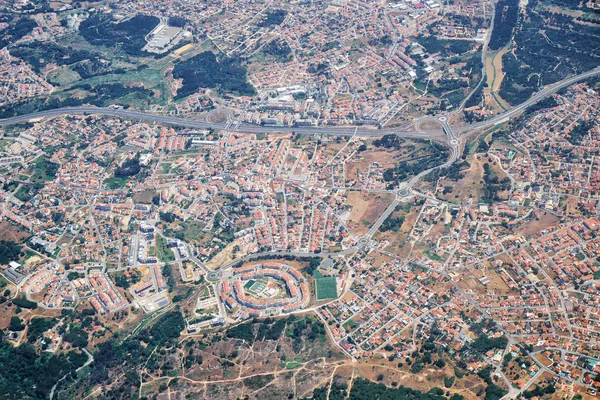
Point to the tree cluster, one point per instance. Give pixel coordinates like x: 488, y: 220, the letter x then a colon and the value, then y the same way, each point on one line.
x: 205, y: 71
x: 16, y: 30
x: 29, y: 374
x: 9, y: 251
x: 505, y: 19
x: 273, y: 17
x: 128, y: 168
x: 130, y: 35
x: 40, y: 54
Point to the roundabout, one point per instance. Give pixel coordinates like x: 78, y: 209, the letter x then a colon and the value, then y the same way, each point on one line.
x: 213, y: 276
x: 403, y: 193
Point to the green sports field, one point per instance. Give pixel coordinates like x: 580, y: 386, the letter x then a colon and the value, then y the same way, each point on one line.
x: 326, y: 288
x: 258, y: 287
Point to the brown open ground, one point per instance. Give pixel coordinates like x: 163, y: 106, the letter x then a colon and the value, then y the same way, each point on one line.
x: 495, y: 75
x: 366, y: 209
x: 534, y: 227
x: 144, y: 197
x: 385, y: 160
x: 225, y: 256
x: 467, y: 187
x: 13, y: 233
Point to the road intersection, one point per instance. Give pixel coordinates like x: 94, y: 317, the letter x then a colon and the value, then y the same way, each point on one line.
x: 453, y: 139
x: 313, y: 130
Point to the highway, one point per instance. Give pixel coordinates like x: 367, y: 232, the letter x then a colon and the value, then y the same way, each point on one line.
x: 549, y: 90
x: 193, y: 123
x: 312, y: 130
x: 452, y: 139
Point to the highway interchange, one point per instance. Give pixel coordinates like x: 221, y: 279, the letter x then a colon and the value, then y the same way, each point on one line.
x: 313, y: 130
x: 453, y: 140
x: 453, y: 136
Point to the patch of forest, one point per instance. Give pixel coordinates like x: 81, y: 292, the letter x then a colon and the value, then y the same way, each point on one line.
x: 100, y: 95
x: 206, y: 71
x: 435, y: 155
x: 279, y: 49
x: 505, y: 19
x: 548, y: 47
x: 39, y: 54
x: 30, y: 373
x: 444, y: 46
x: 366, y: 389
x: 274, y: 17
x: 17, y: 28
x: 9, y: 251
x: 129, y: 35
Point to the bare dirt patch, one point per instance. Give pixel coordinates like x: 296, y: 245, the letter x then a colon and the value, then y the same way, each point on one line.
x: 430, y: 126
x: 384, y: 159
x: 13, y: 233
x: 359, y: 205
x: 144, y: 197
x: 398, y: 239
x: 225, y: 256
x: 467, y: 187
x: 571, y: 207
x: 533, y: 228
x: 218, y: 116
x: 366, y: 209
x: 546, y: 362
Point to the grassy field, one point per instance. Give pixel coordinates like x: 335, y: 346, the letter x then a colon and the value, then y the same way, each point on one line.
x: 3, y: 282
x: 23, y: 194
x: 115, y: 183
x: 326, y: 286
x: 163, y: 252
x: 4, y: 143
x: 63, y: 76
x: 192, y: 230
x: 292, y: 364
x: 495, y: 75
x: 149, y: 73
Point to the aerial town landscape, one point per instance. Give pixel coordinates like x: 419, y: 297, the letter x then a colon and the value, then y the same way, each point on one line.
x: 328, y: 199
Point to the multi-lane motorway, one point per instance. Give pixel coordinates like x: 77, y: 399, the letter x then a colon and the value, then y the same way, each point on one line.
x: 315, y: 130
x: 547, y: 91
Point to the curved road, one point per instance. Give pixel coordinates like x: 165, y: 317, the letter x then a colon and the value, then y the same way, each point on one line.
x: 345, y: 131
x: 549, y: 90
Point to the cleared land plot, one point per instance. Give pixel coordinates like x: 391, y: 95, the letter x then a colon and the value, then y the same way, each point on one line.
x: 383, y: 158
x: 366, y: 209
x: 227, y: 255
x: 359, y: 206
x: 13, y: 233
x: 468, y: 187
x: 397, y: 239
x: 145, y: 196
x: 535, y: 227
